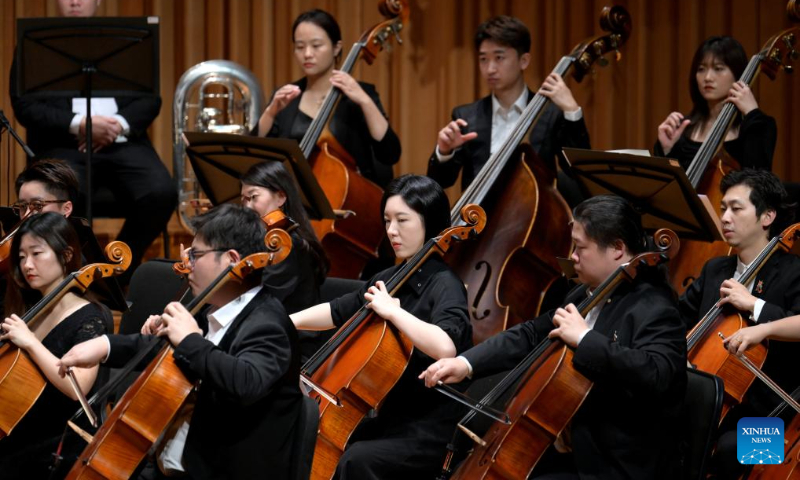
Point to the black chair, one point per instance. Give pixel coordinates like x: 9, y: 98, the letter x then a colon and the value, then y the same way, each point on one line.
x: 305, y: 439
x: 152, y: 287
x: 702, y: 408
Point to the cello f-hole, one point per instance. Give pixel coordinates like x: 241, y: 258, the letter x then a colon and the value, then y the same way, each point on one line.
x: 481, y: 290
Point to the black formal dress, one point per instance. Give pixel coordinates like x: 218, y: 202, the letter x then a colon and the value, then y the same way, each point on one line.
x: 349, y: 126
x: 408, y: 437
x: 636, y: 357
x: 753, y: 148
x: 132, y: 171
x: 294, y: 283
x: 551, y: 133
x: 778, y: 284
x: 244, y: 424
x: 27, y: 452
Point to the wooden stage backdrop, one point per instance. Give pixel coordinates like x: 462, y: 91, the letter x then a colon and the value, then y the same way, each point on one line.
x: 435, y: 69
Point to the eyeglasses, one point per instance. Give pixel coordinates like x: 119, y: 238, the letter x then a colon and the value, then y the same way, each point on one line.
x: 195, y: 254
x: 21, y: 208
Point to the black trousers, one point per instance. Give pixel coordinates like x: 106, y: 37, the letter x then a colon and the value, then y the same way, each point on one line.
x: 144, y: 192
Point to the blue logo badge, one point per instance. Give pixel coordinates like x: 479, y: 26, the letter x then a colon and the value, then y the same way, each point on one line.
x: 759, y: 440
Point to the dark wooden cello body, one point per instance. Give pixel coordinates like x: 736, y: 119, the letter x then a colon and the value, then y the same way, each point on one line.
x: 547, y: 390
x: 152, y: 402
x: 509, y: 270
x: 702, y: 342
x: 353, y: 239
x: 355, y: 370
x: 711, y: 163
x: 21, y: 382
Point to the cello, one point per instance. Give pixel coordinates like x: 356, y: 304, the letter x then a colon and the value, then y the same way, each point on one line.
x: 701, y: 346
x: 548, y: 390
x: 152, y: 402
x: 5, y: 243
x: 710, y: 164
x: 355, y: 370
x: 353, y: 239
x: 21, y: 382
x: 530, y: 219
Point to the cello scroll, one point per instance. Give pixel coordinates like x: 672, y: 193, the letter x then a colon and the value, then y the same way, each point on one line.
x: 617, y: 22
x: 475, y: 218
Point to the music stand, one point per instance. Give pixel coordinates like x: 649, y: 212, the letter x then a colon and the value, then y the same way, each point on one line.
x: 220, y: 159
x: 657, y: 187
x: 108, y: 57
x: 106, y: 290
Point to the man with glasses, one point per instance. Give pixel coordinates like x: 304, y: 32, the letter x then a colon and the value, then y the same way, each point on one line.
x: 47, y: 185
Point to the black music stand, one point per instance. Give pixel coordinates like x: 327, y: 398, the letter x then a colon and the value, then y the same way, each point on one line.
x: 107, y: 290
x: 108, y: 57
x: 220, y: 159
x: 657, y: 187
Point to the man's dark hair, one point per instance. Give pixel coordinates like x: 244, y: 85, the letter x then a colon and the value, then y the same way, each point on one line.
x: 608, y: 218
x: 425, y: 197
x: 230, y: 226
x: 56, y: 175
x: 766, y: 193
x: 505, y: 30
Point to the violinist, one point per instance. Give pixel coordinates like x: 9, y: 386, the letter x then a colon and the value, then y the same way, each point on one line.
x: 754, y: 209
x: 632, y: 347
x: 248, y: 400
x: 44, y: 251
x: 414, y: 424
x: 717, y: 65
x: 295, y: 282
x: 359, y: 123
x: 478, y: 129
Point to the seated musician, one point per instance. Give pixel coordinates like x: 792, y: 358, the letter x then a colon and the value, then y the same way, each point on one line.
x: 248, y: 401
x: 123, y: 160
x: 754, y: 209
x: 43, y: 252
x: 267, y: 187
x: 632, y: 347
x: 478, y: 129
x: 717, y: 65
x: 414, y: 424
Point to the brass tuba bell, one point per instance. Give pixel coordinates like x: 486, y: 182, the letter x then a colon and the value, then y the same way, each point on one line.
x: 214, y: 96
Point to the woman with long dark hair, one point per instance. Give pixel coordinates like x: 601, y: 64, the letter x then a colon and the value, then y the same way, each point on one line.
x: 412, y: 428
x: 713, y: 81
x: 359, y: 123
x: 44, y: 251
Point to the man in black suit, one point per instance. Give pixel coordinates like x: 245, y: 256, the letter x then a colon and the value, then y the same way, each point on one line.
x: 478, y: 129
x: 632, y: 347
x: 248, y: 404
x: 754, y: 209
x: 123, y: 160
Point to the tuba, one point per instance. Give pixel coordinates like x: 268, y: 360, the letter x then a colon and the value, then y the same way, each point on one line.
x: 228, y: 100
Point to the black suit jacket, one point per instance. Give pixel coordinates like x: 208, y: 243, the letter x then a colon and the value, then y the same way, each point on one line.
x: 636, y: 357
x: 248, y: 404
x: 551, y: 133
x: 349, y: 126
x: 778, y: 284
x: 47, y: 119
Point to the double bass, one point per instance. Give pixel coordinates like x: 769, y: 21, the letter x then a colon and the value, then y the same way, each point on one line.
x: 701, y: 342
x: 516, y: 258
x: 155, y: 398
x: 21, y: 382
x: 354, y: 371
x: 547, y: 389
x: 710, y: 163
x: 353, y: 239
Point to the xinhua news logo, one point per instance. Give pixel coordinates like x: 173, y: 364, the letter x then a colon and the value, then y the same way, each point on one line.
x: 759, y: 440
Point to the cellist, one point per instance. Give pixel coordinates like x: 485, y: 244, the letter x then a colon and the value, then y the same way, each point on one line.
x: 478, y: 129
x: 754, y: 209
x: 359, y: 122
x: 716, y: 66
x: 413, y: 425
x: 44, y: 251
x: 248, y: 401
x: 632, y: 347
